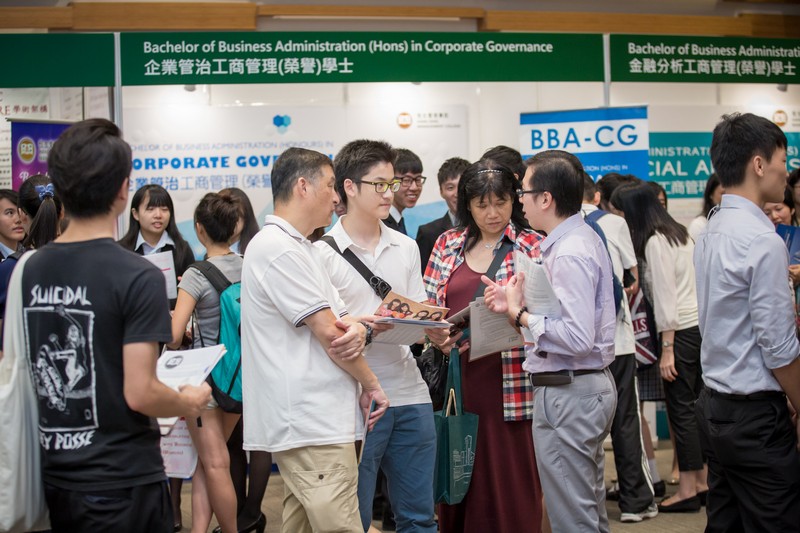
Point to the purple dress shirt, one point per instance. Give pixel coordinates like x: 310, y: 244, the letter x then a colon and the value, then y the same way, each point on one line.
x: 579, y: 269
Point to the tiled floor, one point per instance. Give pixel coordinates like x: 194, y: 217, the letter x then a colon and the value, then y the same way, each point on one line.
x: 692, y: 522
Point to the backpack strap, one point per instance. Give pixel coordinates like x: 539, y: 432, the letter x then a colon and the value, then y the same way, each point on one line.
x: 213, y: 274
x: 595, y: 215
x: 217, y: 280
x: 378, y: 284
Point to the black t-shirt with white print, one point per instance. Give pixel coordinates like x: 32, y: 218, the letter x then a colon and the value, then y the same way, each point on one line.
x: 81, y: 303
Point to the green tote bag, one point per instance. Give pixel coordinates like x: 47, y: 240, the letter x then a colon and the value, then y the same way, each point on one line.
x: 456, y: 439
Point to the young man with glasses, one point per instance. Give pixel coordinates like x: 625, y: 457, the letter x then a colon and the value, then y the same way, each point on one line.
x: 403, y: 443
x: 448, y: 176
x: 407, y: 169
x: 568, y: 353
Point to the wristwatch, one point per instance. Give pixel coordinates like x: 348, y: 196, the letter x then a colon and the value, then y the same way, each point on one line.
x: 368, y: 338
x: 667, y: 344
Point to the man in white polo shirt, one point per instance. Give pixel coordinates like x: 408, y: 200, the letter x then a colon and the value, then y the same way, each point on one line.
x: 403, y: 443
x: 301, y: 356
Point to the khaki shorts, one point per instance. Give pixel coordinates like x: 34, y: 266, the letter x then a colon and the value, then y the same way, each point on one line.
x: 320, y: 489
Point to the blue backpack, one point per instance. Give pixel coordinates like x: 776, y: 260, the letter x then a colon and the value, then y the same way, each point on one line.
x: 226, y: 377
x: 592, y: 219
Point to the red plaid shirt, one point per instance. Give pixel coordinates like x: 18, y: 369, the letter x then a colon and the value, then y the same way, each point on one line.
x: 447, y: 255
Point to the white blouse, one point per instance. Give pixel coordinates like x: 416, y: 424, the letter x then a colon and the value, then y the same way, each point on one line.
x: 670, y: 276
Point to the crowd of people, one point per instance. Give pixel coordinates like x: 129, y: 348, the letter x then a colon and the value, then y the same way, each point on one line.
x: 348, y: 419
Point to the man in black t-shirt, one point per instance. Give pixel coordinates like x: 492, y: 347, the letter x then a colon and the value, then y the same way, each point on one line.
x: 94, y: 314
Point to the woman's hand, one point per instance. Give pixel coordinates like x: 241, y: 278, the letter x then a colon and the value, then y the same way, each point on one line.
x: 667, y: 364
x: 794, y: 274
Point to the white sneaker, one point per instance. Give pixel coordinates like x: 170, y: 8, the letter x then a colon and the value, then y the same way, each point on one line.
x: 650, y: 512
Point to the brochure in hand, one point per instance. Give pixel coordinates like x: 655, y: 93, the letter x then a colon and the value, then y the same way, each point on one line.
x: 186, y: 367
x: 409, y: 319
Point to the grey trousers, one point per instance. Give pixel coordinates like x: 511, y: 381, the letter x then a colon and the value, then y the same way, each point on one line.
x: 570, y: 423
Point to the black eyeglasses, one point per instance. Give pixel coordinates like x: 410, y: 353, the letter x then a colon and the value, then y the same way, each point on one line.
x: 407, y: 181
x: 522, y: 192
x: 383, y: 186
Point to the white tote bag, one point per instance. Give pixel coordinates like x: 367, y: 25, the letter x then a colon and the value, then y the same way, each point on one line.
x: 22, y: 503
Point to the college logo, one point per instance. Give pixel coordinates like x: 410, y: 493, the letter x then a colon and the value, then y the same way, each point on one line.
x: 780, y: 117
x: 26, y: 150
x: 282, y: 122
x: 404, y: 120
x: 174, y: 361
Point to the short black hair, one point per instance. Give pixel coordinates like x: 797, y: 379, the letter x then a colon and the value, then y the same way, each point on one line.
x: 480, y: 180
x: 293, y: 164
x: 589, y: 188
x: 10, y: 195
x: 737, y: 139
x: 508, y: 157
x: 88, y: 164
x: 711, y: 185
x: 609, y: 182
x: 452, y: 168
x: 407, y: 162
x: 561, y: 174
x: 356, y: 159
x: 218, y: 213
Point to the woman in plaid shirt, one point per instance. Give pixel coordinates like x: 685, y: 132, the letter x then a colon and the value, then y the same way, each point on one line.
x: 504, y: 494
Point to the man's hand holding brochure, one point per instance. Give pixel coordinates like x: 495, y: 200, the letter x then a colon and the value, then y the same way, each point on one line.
x: 530, y: 288
x: 410, y: 321
x: 176, y: 369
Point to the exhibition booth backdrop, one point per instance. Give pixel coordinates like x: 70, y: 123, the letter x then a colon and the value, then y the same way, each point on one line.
x: 204, y: 111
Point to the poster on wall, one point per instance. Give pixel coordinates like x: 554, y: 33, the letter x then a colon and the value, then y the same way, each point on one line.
x: 611, y: 139
x: 193, y: 150
x: 30, y: 143
x: 18, y: 103
x: 434, y: 132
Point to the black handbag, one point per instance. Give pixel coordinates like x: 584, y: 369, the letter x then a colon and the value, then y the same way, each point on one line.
x: 432, y: 362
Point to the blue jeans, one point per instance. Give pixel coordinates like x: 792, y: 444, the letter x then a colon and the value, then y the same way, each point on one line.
x: 403, y: 445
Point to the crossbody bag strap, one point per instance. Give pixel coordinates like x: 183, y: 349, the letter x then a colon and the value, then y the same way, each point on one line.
x: 377, y: 283
x: 499, y: 257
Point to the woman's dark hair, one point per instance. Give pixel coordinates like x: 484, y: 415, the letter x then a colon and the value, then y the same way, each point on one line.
x: 658, y: 189
x: 712, y: 185
x: 38, y: 200
x: 218, y: 213
x: 250, y: 227
x: 794, y: 177
x: 157, y: 196
x: 646, y: 216
x: 788, y: 201
x: 480, y: 180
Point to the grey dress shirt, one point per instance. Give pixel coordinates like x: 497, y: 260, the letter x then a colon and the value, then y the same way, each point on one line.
x: 745, y: 302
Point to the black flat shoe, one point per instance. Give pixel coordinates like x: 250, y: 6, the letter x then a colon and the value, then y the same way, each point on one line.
x: 689, y: 505
x: 258, y: 526
x: 660, y: 489
x: 703, y: 495
x: 177, y: 527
